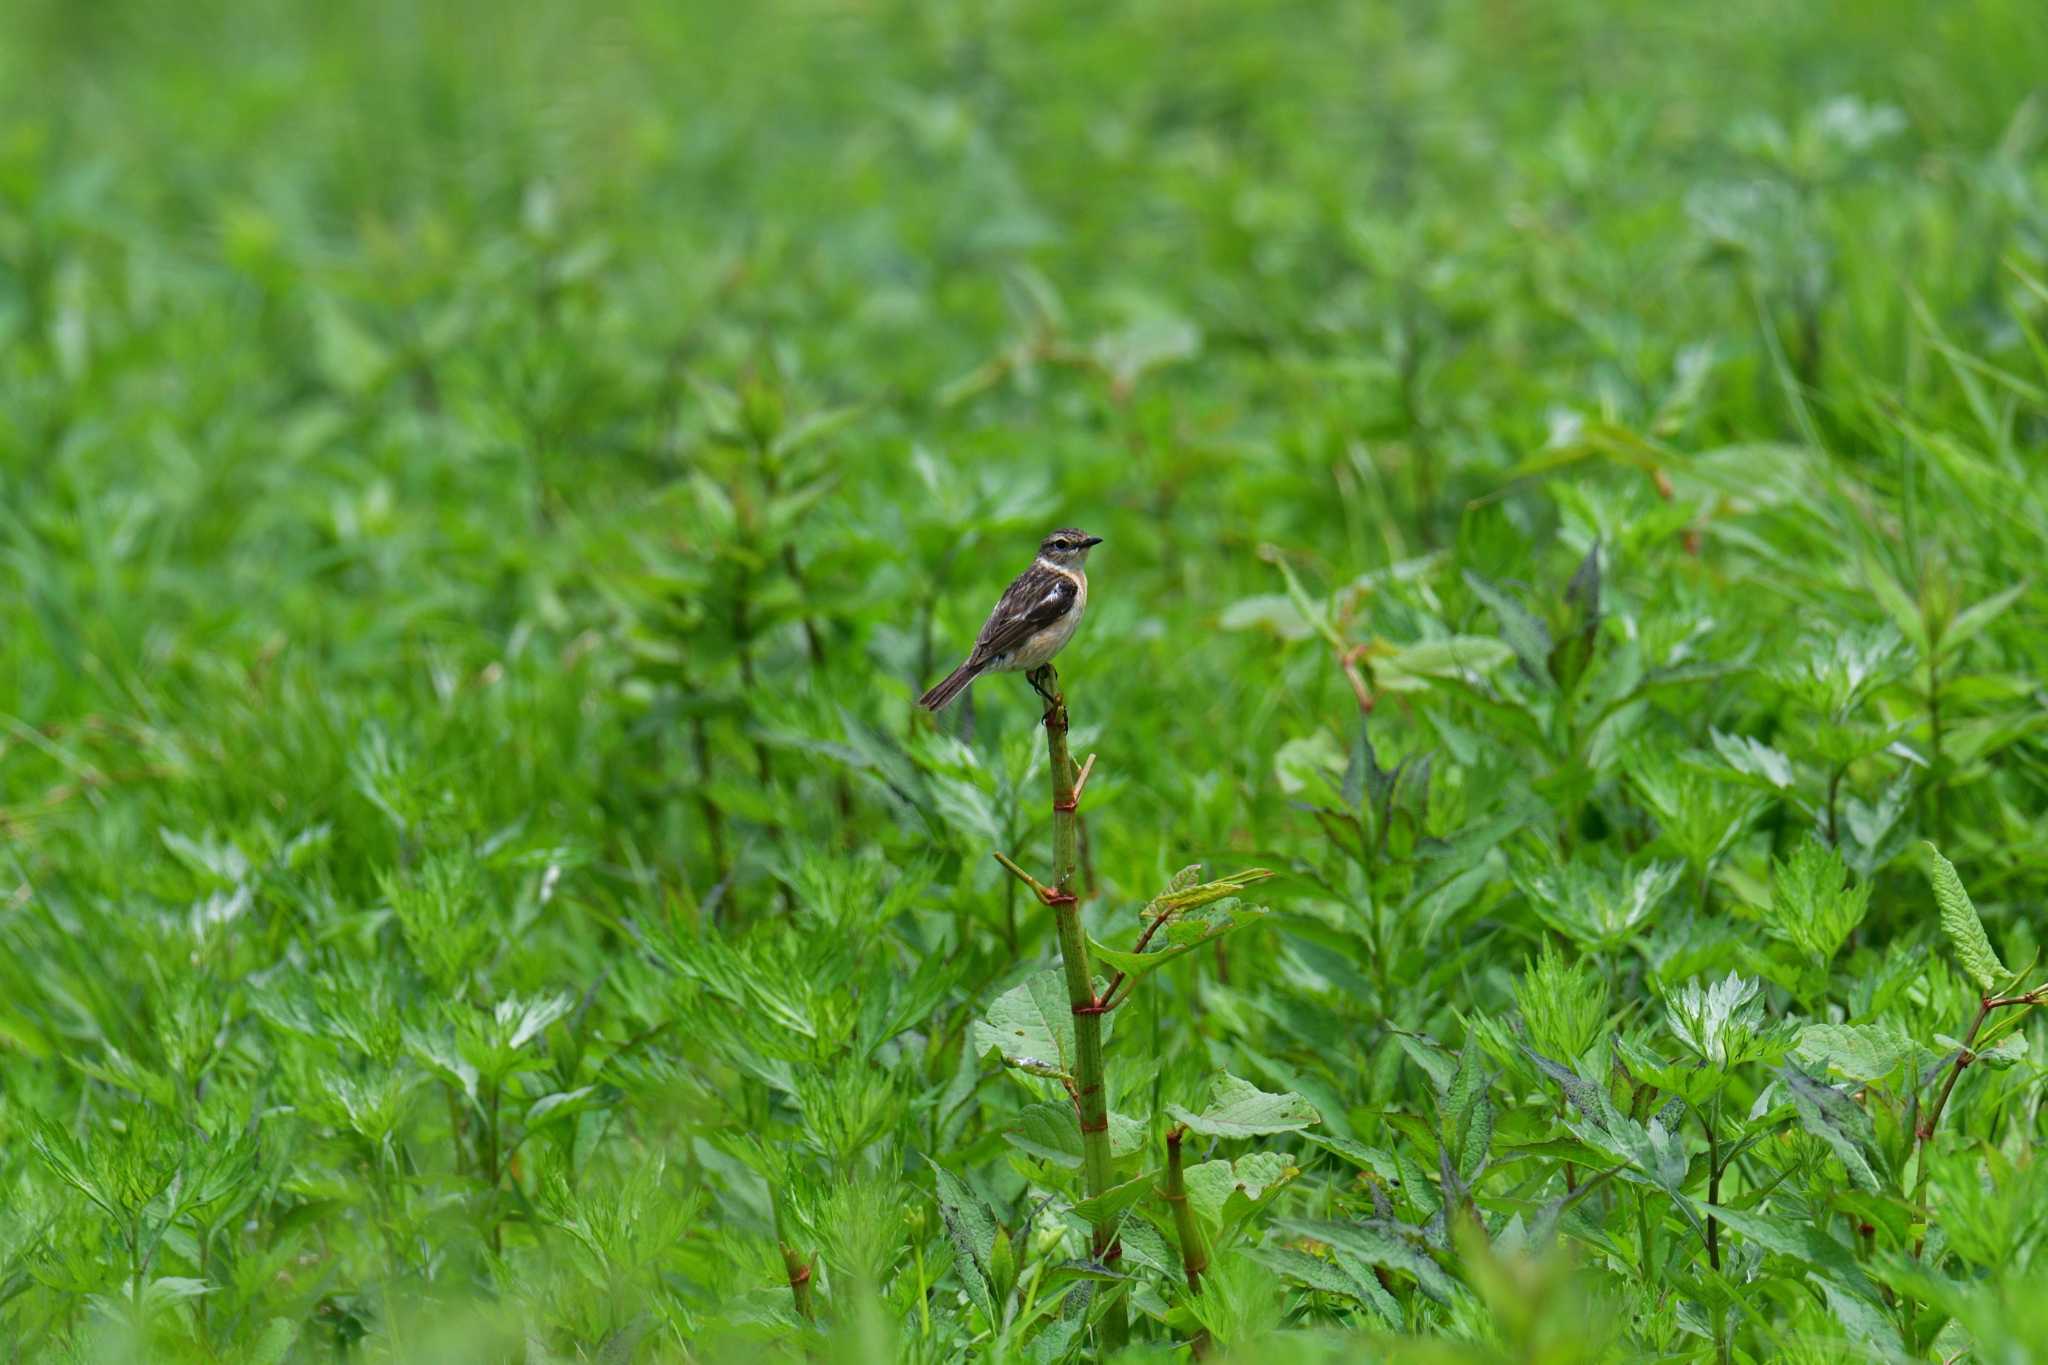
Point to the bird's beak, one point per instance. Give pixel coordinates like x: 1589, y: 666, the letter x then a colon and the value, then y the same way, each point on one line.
x: 1091, y: 541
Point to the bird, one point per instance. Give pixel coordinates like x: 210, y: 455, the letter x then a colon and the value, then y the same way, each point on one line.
x: 1033, y: 620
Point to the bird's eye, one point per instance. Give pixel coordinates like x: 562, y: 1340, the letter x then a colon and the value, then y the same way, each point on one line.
x: 1063, y: 545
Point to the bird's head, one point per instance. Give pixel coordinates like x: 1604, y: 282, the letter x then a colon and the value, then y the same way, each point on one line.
x: 1068, y: 548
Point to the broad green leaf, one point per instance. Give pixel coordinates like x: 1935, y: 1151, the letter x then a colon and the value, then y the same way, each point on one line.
x: 1861, y: 1052
x: 1237, y: 1108
x: 1211, y: 1183
x: 1048, y: 1132
x: 1964, y: 929
x: 1836, y: 1119
x: 1411, y: 668
x: 1031, y: 1026
x: 1866, y: 1323
x: 1271, y: 611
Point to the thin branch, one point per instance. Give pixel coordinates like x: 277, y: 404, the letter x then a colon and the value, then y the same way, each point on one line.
x: 1038, y: 888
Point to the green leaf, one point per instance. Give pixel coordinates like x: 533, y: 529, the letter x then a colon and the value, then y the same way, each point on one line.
x: 1972, y: 619
x: 1864, y: 1321
x: 1117, y: 1198
x: 1411, y: 668
x: 1836, y: 1119
x: 1048, y: 1132
x: 1860, y: 1052
x: 1802, y: 1239
x: 1754, y: 759
x: 1031, y: 1026
x: 1272, y: 611
x: 560, y: 1105
x: 1330, y: 1278
x: 1237, y: 1108
x: 1211, y: 1183
x: 1201, y: 927
x: 1524, y: 632
x: 1361, y: 1246
x: 1964, y: 929
x: 973, y: 1232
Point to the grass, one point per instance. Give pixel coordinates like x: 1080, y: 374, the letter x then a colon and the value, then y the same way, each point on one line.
x: 480, y: 490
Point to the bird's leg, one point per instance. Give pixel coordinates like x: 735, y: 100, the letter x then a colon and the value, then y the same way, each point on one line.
x: 1046, y: 684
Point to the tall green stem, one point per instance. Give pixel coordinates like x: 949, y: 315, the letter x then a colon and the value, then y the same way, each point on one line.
x: 1194, y: 1252
x: 1091, y: 1103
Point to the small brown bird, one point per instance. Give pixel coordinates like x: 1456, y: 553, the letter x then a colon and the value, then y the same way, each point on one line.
x: 1034, y: 619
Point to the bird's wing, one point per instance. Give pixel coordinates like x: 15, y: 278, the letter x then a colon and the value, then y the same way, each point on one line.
x: 1034, y: 600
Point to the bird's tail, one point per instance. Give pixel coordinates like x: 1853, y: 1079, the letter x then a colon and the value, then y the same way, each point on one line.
x: 952, y: 685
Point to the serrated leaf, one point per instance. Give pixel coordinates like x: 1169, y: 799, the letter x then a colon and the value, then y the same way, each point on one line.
x: 1031, y: 1026
x: 1143, y: 1245
x: 1965, y: 931
x: 1835, y: 1119
x: 1237, y: 1108
x: 973, y: 1231
x: 1201, y: 927
x: 1861, y: 1052
x: 1864, y: 1321
x: 1754, y: 759
x: 1361, y: 1246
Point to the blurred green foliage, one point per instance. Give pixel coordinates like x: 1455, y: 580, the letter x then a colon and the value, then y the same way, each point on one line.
x: 480, y: 487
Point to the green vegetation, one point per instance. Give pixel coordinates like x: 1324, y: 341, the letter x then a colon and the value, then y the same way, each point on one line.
x: 481, y: 486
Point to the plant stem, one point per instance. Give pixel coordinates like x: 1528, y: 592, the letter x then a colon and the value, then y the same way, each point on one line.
x: 1090, y: 1102
x: 799, y: 1272
x: 1194, y: 1253
x: 1924, y: 1132
x: 1714, y: 1225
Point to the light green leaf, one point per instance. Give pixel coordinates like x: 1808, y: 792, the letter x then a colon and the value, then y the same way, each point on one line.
x: 1271, y: 611
x: 560, y: 1105
x: 1411, y: 668
x: 1211, y: 1183
x: 1964, y: 929
x: 1237, y: 1108
x: 1754, y: 759
x: 1860, y: 1052
x: 1032, y: 1026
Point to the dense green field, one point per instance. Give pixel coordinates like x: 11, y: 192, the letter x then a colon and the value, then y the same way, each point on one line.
x: 481, y: 486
